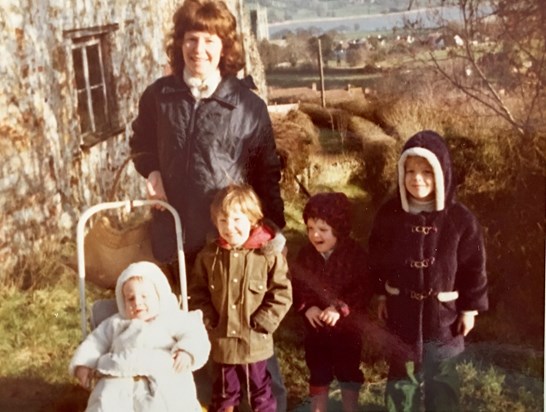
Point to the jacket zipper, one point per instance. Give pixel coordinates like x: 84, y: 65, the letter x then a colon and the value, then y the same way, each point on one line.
x: 191, y: 135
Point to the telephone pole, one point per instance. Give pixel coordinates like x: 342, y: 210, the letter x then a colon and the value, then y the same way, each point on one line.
x: 321, y: 70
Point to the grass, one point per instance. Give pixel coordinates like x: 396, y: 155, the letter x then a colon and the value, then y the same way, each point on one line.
x: 503, y: 368
x: 333, y: 77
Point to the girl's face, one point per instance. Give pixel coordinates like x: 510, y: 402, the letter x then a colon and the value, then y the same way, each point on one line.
x: 234, y: 227
x: 141, y: 299
x: 321, y: 235
x: 419, y: 178
x: 202, y: 52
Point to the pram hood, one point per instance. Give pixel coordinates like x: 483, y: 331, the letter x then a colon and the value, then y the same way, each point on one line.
x: 152, y: 272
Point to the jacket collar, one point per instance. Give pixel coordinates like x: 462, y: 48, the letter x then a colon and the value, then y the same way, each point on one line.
x: 227, y: 92
x: 259, y: 237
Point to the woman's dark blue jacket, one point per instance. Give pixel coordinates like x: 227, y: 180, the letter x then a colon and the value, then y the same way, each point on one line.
x: 201, y: 148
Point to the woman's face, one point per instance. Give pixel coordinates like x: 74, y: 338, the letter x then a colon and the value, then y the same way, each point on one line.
x: 202, y: 52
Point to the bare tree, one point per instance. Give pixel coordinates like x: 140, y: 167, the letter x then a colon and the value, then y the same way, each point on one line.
x: 500, y: 58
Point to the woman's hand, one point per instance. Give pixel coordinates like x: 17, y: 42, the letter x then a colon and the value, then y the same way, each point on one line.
x: 84, y: 375
x: 465, y: 323
x: 382, y: 313
x: 182, y: 361
x: 313, y: 316
x: 154, y: 186
x: 330, y: 316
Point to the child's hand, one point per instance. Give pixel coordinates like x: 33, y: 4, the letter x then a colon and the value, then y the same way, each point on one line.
x: 465, y: 323
x: 182, y: 361
x: 313, y: 316
x: 382, y: 313
x: 84, y: 375
x: 330, y: 316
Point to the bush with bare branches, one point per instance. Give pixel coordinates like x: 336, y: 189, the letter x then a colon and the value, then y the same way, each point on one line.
x: 296, y: 137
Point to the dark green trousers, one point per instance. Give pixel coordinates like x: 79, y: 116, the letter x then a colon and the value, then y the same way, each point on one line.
x: 435, y: 387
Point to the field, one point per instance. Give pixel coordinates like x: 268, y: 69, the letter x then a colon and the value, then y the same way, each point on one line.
x: 501, y: 370
x: 348, y: 146
x: 501, y: 178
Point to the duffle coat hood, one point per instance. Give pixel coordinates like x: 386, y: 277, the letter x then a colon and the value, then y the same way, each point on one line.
x: 421, y: 255
x: 201, y: 147
x: 244, y: 294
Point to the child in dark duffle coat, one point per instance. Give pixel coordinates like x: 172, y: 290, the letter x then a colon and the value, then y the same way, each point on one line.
x: 331, y: 290
x: 240, y: 283
x: 428, y: 260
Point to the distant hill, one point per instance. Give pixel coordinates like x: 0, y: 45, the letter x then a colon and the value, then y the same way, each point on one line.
x: 366, y: 22
x: 286, y: 10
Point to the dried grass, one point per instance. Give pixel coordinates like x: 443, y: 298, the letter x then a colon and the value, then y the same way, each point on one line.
x: 296, y: 138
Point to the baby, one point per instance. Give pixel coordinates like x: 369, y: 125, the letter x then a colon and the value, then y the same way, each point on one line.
x: 143, y: 356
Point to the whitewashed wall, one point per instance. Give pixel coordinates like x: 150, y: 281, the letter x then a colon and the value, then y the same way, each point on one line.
x: 46, y: 180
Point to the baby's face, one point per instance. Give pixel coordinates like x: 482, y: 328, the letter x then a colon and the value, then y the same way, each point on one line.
x: 321, y: 235
x: 141, y: 299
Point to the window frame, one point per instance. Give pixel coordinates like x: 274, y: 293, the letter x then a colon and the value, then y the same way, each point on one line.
x: 83, y: 40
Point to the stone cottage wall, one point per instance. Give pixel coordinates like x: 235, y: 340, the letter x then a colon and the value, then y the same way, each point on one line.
x: 46, y: 178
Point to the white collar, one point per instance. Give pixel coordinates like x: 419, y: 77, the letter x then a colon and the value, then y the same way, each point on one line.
x: 202, y: 88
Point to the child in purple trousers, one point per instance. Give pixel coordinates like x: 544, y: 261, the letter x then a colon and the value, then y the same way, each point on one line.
x: 240, y: 283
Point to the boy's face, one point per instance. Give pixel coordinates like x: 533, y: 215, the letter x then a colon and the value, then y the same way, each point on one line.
x: 419, y: 178
x: 321, y: 235
x: 234, y: 227
x: 141, y: 299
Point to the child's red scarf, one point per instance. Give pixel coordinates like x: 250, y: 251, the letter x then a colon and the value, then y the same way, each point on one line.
x: 259, y: 236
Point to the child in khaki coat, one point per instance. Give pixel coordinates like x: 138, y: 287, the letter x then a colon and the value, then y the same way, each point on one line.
x: 240, y: 283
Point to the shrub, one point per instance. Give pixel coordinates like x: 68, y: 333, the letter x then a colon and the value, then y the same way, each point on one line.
x: 320, y: 116
x: 296, y: 139
x: 379, y: 153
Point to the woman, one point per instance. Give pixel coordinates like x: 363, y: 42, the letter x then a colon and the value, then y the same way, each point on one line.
x: 200, y: 129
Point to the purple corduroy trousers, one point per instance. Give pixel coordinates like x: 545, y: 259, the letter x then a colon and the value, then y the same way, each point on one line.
x: 227, y: 387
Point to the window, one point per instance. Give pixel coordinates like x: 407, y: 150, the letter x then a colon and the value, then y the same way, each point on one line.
x: 94, y: 83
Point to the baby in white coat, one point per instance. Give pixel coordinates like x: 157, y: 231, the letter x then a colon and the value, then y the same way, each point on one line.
x: 143, y: 356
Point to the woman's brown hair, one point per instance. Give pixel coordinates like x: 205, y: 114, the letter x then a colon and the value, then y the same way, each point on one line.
x: 212, y: 16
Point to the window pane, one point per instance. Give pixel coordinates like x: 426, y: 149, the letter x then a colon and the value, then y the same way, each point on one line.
x: 78, y: 68
x: 83, y: 112
x: 99, y: 109
x: 95, y: 75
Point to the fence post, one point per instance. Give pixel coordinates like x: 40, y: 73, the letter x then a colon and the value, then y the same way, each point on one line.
x: 322, y: 96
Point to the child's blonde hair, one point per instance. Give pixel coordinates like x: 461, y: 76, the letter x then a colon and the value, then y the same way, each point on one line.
x: 237, y: 195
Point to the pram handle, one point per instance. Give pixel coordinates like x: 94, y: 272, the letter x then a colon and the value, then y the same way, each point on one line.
x: 128, y: 204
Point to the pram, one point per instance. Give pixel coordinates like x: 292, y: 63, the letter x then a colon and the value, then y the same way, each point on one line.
x: 103, y: 308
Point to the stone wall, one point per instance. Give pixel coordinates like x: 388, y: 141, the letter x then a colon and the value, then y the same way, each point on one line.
x: 46, y: 177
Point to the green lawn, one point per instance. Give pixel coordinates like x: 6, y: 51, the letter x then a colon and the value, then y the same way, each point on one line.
x: 40, y: 327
